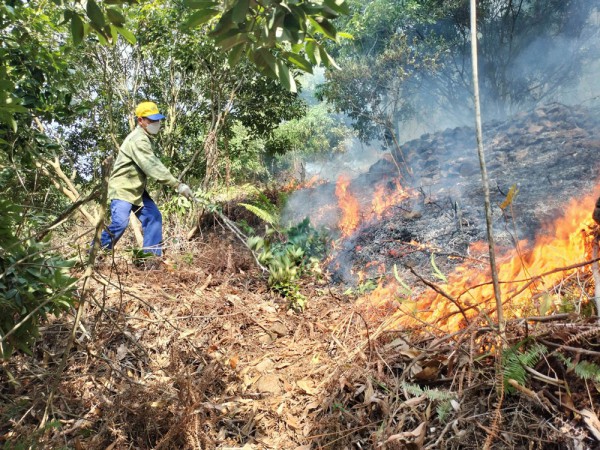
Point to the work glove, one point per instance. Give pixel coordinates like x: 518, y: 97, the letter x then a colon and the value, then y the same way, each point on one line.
x: 184, y: 189
x: 596, y: 214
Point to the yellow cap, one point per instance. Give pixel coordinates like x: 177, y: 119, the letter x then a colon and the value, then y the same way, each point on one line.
x: 149, y: 110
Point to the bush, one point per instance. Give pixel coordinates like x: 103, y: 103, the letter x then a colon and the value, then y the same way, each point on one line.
x: 34, y: 282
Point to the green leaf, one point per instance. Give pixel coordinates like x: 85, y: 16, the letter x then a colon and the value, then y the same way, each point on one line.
x: 116, y: 17
x: 344, y: 35
x: 77, y: 29
x: 311, y: 52
x: 324, y: 26
x: 224, y: 24
x: 12, y: 107
x: 286, y: 77
x: 200, y: 17
x: 240, y: 9
x: 95, y: 13
x: 231, y: 39
x: 128, y: 35
x: 200, y: 4
x: 114, y: 35
x: 265, y: 61
x: 327, y: 59
x: 339, y: 6
x: 235, y: 55
x: 299, y: 61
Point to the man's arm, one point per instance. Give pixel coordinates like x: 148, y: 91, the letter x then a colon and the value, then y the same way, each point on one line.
x: 145, y: 158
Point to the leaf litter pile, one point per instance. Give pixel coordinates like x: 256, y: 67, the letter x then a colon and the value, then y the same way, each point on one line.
x: 202, y: 355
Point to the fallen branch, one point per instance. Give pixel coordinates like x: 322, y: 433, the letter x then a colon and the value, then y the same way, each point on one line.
x: 569, y: 348
x: 440, y: 291
x: 63, y: 216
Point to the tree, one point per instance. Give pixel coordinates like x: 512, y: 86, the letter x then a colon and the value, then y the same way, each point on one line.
x: 191, y: 80
x: 35, y: 89
x: 412, y: 57
x: 530, y: 50
x: 54, y: 88
x: 315, y: 136
x: 272, y: 34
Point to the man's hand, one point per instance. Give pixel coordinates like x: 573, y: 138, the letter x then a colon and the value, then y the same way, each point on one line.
x: 184, y: 189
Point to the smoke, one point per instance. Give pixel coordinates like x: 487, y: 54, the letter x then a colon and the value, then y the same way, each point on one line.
x: 537, y: 70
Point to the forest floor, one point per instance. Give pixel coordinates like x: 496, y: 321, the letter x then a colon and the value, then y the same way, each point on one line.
x: 200, y: 354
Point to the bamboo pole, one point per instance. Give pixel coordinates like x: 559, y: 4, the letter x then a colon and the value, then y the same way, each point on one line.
x: 484, y: 175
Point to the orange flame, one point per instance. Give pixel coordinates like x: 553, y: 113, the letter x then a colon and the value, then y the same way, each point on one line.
x: 383, y: 199
x: 523, y: 275
x: 349, y: 206
x: 295, y: 185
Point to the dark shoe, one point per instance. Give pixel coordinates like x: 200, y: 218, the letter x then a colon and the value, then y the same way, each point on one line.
x: 150, y: 263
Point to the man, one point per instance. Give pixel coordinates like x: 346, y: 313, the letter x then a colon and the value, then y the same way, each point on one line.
x: 127, y: 184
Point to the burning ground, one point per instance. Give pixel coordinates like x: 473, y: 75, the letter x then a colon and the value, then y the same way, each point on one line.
x: 543, y: 174
x: 203, y: 355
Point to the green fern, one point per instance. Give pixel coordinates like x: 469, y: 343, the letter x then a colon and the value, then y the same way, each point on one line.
x: 443, y: 410
x: 515, y: 361
x: 270, y: 217
x: 431, y: 394
x: 584, y: 369
x: 444, y: 398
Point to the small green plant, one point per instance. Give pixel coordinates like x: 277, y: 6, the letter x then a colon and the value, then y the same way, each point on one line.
x: 443, y: 398
x: 264, y: 210
x: 34, y: 282
x: 139, y: 255
x: 177, y: 205
x: 288, y: 254
x: 583, y: 369
x: 188, y: 258
x: 515, y: 360
x: 245, y: 227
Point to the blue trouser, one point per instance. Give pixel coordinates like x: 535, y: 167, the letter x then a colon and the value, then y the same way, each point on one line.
x: 148, y: 214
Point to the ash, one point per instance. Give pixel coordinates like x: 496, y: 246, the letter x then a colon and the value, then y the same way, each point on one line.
x: 550, y: 155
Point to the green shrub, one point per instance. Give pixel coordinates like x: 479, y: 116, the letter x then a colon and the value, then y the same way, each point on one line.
x: 34, y: 282
x: 288, y: 254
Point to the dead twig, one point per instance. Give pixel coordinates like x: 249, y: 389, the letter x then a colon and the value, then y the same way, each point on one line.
x: 443, y: 293
x: 569, y: 348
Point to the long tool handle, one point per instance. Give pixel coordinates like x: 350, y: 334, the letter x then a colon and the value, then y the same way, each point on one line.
x: 232, y: 226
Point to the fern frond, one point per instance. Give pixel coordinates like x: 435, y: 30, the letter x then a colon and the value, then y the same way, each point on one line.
x: 584, y: 369
x: 431, y: 394
x: 588, y: 371
x: 262, y: 214
x: 443, y: 410
x: 514, y: 363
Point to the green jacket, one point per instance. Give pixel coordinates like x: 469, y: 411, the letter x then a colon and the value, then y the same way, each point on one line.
x: 135, y: 163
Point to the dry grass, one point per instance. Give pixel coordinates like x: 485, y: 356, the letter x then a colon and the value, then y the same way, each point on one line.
x: 202, y: 355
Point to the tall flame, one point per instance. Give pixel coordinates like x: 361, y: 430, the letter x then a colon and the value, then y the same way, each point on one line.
x: 384, y: 198
x: 349, y: 205
x: 522, y: 274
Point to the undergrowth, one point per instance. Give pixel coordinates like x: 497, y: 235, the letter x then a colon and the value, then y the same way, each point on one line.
x: 287, y: 253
